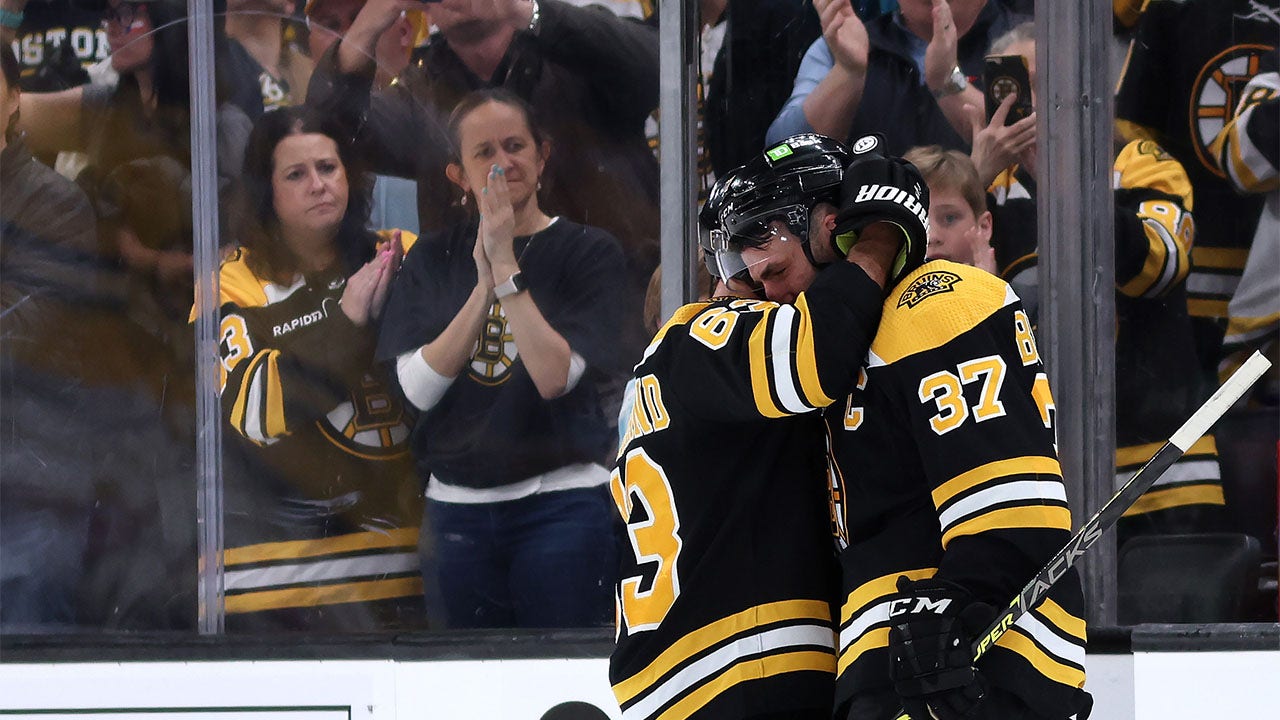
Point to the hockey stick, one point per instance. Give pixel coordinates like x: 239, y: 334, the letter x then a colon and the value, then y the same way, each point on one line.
x: 1169, y: 453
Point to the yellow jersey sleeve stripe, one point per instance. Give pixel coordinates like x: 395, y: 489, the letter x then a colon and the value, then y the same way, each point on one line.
x: 327, y: 595
x: 1139, y: 454
x: 1166, y: 263
x: 1019, y: 643
x: 1205, y: 307
x: 750, y: 670
x: 878, y: 638
x: 239, y: 406
x: 1063, y: 620
x: 1221, y: 258
x: 273, y: 404
x: 1238, y: 325
x: 299, y: 549
x: 806, y: 359
x: 1027, y: 465
x: 716, y: 633
x: 873, y: 590
x: 1155, y: 500
x: 758, y: 349
x: 1014, y: 518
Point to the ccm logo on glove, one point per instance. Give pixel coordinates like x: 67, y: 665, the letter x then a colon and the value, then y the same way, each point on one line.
x: 904, y: 606
x: 869, y: 193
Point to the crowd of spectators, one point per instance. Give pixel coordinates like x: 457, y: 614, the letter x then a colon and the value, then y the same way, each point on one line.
x: 503, y: 149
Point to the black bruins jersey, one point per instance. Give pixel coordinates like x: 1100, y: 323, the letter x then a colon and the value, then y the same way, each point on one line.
x: 1185, y: 74
x: 1158, y: 381
x: 945, y: 465
x: 321, y: 502
x: 724, y: 603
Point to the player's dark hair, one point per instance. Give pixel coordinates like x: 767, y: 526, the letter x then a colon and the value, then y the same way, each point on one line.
x: 260, y: 226
x: 9, y: 65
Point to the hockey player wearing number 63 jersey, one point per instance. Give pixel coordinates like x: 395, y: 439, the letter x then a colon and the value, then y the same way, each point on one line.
x: 725, y: 598
x: 946, y: 493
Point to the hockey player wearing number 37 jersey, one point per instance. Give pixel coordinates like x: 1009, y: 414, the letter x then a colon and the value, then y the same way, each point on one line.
x: 949, y: 498
x: 725, y: 600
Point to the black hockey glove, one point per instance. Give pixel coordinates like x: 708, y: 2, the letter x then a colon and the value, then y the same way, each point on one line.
x: 931, y: 664
x: 878, y: 188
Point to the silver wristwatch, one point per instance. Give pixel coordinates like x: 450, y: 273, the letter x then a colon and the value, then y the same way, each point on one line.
x: 956, y: 83
x: 513, y: 285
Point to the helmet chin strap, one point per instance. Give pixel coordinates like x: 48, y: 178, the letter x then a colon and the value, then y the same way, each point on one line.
x: 804, y: 242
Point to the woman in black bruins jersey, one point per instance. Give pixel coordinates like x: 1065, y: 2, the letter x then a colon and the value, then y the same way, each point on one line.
x: 321, y: 514
x: 504, y: 332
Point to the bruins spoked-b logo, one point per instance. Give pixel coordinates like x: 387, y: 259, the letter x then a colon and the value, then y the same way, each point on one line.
x: 372, y: 424
x: 495, y: 350
x: 1217, y: 92
x: 928, y: 285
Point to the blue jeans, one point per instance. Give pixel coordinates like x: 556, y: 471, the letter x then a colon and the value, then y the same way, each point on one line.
x: 545, y: 561
x: 41, y: 567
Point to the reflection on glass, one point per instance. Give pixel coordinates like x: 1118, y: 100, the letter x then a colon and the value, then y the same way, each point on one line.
x: 1180, y: 88
x: 503, y: 330
x: 109, y: 438
x: 515, y: 432
x: 321, y: 514
x: 353, y: 499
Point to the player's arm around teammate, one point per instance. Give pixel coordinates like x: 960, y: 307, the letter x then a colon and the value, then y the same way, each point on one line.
x: 725, y: 593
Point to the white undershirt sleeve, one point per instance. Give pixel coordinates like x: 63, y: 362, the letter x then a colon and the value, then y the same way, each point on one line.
x: 577, y: 366
x: 422, y: 385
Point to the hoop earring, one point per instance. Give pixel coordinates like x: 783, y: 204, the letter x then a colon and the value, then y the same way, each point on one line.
x: 463, y: 202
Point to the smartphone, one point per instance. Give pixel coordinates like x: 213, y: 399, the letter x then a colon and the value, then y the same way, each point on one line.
x: 1001, y: 75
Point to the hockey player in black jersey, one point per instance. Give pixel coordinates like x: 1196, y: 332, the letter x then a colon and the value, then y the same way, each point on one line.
x: 725, y: 598
x: 946, y: 497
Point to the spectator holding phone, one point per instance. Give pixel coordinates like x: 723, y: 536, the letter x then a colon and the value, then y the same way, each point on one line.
x: 1008, y: 136
x: 1155, y: 347
x: 907, y: 74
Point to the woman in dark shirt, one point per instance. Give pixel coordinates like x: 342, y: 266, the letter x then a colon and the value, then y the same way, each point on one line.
x: 503, y: 330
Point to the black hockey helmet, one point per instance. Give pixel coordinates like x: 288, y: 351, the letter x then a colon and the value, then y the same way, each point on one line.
x: 783, y: 183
